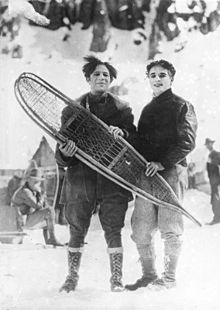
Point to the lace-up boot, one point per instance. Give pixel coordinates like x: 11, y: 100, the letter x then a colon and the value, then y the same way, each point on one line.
x: 116, y: 260
x: 72, y: 278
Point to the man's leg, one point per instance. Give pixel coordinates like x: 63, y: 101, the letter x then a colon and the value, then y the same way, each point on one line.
x: 112, y: 215
x: 171, y: 226
x: 44, y: 218
x: 78, y: 216
x: 215, y: 201
x: 144, y: 226
x: 81, y: 198
x: 74, y: 259
x: 49, y: 231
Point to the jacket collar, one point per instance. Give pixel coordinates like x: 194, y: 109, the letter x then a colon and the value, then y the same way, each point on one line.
x: 82, y: 99
x: 165, y: 95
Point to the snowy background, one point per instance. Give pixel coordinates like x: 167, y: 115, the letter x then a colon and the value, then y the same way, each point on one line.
x: 31, y: 275
x: 60, y: 63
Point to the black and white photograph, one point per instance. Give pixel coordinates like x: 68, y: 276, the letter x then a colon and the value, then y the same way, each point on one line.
x: 110, y: 154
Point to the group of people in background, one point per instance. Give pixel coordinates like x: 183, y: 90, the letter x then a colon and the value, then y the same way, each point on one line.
x: 165, y: 135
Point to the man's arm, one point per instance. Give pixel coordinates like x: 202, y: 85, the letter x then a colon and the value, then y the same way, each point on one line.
x: 186, y: 135
x: 126, y: 122
x: 30, y: 200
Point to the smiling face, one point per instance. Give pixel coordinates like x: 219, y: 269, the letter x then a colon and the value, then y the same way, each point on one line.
x: 160, y: 80
x: 99, y: 80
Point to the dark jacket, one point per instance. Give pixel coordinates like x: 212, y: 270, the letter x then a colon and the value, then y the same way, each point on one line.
x: 167, y: 130
x: 111, y: 110
x: 213, y: 169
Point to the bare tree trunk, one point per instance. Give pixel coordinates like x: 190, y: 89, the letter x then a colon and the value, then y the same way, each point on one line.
x: 154, y: 39
x: 151, y: 29
x: 101, y: 28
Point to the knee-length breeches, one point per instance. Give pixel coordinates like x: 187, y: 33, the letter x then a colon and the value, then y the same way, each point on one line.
x: 85, y: 189
x: 147, y: 218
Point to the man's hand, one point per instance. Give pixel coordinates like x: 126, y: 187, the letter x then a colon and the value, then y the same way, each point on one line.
x: 152, y: 168
x: 25, y: 9
x: 68, y: 149
x: 116, y: 131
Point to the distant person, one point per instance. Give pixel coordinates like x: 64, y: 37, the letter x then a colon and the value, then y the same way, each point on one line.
x: 167, y: 132
x: 32, y: 211
x: 13, y: 184
x: 85, y: 188
x: 191, y: 175
x: 213, y: 166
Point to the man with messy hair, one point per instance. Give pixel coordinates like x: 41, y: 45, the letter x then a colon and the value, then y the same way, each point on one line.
x: 85, y: 187
x: 167, y: 131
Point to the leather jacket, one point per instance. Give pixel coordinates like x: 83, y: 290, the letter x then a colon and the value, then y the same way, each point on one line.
x: 167, y: 130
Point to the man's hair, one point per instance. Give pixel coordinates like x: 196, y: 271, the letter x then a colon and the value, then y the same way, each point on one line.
x: 163, y: 63
x: 92, y: 62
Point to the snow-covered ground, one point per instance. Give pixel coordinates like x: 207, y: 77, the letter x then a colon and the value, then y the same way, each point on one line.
x: 30, y: 275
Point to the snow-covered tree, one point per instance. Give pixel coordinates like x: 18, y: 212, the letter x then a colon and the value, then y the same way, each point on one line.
x: 151, y: 22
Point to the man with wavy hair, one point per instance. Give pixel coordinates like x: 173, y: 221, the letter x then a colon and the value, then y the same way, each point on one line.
x: 167, y: 131
x: 85, y: 187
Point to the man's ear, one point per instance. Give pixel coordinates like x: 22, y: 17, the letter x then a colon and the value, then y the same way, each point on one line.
x: 171, y: 77
x: 88, y: 79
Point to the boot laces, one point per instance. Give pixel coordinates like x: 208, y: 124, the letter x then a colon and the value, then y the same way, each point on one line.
x: 74, y: 259
x: 116, y: 267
